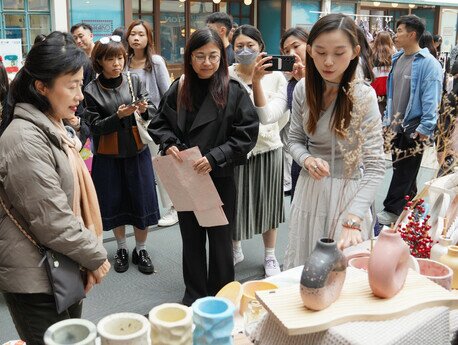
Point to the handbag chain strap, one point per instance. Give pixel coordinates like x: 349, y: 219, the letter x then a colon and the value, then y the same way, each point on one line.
x: 10, y: 215
x: 131, y: 88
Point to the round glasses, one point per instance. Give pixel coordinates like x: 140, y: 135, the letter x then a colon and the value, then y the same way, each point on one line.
x: 107, y: 39
x: 201, y: 58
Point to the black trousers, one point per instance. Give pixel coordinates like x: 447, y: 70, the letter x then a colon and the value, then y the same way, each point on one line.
x: 295, y: 172
x: 200, y: 281
x: 33, y: 313
x: 405, y: 171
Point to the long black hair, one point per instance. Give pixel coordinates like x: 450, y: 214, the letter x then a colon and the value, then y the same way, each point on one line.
x: 219, y: 83
x: 46, y: 61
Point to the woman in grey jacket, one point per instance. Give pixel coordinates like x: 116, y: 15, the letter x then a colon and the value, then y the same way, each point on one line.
x: 44, y: 186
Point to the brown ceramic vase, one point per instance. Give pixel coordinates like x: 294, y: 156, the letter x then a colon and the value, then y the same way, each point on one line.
x: 388, y: 264
x: 323, y: 275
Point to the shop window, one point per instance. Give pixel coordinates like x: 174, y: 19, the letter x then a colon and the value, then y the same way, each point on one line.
x: 303, y: 13
x: 269, y: 23
x: 199, y: 13
x: 143, y: 9
x: 343, y: 7
x: 24, y: 19
x: 103, y: 19
x: 173, y: 30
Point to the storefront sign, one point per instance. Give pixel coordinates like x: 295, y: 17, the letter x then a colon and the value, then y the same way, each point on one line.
x: 11, y: 53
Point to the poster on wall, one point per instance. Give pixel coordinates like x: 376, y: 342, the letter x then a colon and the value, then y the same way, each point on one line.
x: 448, y: 29
x: 11, y: 53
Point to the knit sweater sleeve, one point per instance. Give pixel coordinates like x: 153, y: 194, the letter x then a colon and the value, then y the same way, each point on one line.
x: 373, y: 161
x: 297, y: 139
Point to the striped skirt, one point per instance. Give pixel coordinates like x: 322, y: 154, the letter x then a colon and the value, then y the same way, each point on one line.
x: 259, y: 195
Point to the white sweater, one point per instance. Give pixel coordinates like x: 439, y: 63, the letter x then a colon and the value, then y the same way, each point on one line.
x: 271, y: 121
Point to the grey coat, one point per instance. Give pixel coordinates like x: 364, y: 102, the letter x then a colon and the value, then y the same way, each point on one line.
x: 36, y: 176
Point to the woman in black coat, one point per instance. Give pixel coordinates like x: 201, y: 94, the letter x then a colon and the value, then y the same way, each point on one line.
x: 208, y: 110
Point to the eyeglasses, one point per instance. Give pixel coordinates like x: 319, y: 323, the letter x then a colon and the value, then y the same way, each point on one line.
x: 202, y: 58
x: 107, y: 39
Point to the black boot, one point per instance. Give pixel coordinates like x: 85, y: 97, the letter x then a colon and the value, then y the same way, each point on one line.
x: 143, y: 261
x: 121, y: 263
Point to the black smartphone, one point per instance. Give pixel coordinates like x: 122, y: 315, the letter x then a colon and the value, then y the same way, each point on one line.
x: 282, y: 63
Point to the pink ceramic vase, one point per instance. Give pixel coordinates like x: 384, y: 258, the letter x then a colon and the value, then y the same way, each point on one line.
x: 388, y: 264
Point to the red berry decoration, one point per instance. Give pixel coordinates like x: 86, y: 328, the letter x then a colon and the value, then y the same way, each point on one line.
x: 416, y: 232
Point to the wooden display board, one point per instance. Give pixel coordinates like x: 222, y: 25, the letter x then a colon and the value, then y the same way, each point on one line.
x: 356, y: 303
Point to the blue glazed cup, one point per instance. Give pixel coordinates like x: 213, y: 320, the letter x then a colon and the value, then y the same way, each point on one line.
x: 214, y: 320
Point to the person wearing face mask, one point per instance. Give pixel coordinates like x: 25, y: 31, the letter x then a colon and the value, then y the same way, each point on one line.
x: 293, y: 42
x: 152, y: 71
x: 260, y: 181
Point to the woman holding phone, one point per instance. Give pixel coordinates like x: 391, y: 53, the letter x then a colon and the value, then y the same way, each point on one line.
x: 122, y: 169
x: 260, y: 181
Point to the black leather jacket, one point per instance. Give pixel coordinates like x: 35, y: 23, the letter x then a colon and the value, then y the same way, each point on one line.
x: 100, y: 113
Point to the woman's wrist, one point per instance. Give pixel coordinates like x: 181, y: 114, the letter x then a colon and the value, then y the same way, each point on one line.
x: 352, y: 224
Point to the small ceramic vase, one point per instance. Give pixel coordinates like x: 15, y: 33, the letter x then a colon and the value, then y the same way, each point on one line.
x: 451, y: 260
x: 437, y: 272
x: 71, y: 331
x: 124, y: 329
x: 171, y: 324
x: 440, y: 248
x: 388, y: 264
x: 323, y: 275
x: 214, y: 320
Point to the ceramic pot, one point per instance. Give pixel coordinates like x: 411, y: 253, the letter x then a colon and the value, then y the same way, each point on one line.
x: 71, y: 331
x: 323, y: 275
x: 214, y: 320
x: 451, y: 260
x: 388, y: 264
x: 171, y: 324
x: 440, y: 248
x: 248, y: 292
x: 124, y: 329
x: 437, y: 272
x: 361, y: 263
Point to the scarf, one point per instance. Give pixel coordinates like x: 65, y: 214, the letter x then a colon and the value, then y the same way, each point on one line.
x: 85, y: 203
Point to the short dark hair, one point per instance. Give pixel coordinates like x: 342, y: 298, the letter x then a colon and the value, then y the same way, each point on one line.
x: 104, y: 51
x: 251, y: 32
x: 296, y: 32
x: 412, y: 23
x: 39, y: 38
x: 221, y: 18
x: 85, y: 26
x: 219, y: 84
x: 427, y: 41
x: 46, y: 61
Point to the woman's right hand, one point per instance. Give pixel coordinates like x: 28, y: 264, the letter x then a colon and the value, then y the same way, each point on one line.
x: 126, y: 110
x: 317, y: 167
x: 262, y: 62
x: 173, y: 151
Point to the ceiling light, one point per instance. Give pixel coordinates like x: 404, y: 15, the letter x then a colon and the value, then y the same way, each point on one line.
x: 182, y: 0
x: 412, y: 5
x: 394, y: 4
x: 247, y: 2
x: 376, y: 3
x: 216, y: 1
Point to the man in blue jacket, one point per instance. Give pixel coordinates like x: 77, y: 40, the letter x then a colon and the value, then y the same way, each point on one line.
x: 414, y: 92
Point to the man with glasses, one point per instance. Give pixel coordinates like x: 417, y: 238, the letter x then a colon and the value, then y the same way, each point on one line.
x: 222, y: 23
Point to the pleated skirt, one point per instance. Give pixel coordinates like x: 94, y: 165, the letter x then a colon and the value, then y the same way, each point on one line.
x: 315, y: 210
x: 259, y: 195
x: 126, y: 190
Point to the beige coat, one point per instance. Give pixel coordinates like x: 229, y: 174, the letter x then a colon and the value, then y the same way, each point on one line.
x: 36, y: 176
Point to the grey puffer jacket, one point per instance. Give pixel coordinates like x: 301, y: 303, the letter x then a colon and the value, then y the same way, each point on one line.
x: 36, y: 176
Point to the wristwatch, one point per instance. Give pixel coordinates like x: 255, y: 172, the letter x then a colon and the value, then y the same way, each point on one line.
x: 352, y: 224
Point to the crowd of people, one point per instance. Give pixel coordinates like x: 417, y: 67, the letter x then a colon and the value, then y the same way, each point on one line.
x: 316, y: 132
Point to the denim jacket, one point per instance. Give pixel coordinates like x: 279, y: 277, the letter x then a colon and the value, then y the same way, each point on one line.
x: 425, y: 92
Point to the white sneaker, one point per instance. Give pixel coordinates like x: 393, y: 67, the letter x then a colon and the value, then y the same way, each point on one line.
x: 271, y: 266
x: 238, y: 256
x: 169, y: 219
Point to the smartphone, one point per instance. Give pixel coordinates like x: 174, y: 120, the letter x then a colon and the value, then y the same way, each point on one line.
x: 136, y: 102
x: 282, y: 63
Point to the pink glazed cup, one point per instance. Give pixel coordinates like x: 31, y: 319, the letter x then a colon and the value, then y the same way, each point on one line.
x: 437, y: 272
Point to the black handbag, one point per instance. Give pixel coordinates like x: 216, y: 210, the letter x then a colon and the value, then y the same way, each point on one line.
x: 64, y: 274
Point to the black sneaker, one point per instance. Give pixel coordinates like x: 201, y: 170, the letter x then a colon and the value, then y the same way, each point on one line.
x: 143, y: 261
x: 121, y: 263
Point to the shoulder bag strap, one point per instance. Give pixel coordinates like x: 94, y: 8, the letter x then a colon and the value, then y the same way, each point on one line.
x: 14, y: 218
x: 131, y: 88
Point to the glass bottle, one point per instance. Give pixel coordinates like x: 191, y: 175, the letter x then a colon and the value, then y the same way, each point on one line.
x: 252, y: 316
